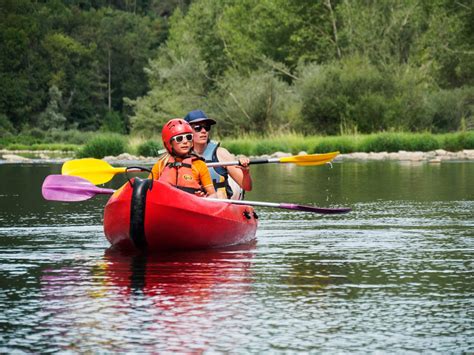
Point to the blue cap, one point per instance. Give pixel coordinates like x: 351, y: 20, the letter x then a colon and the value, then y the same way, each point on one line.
x: 198, y: 116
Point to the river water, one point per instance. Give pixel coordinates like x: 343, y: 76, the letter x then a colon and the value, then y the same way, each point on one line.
x: 394, y: 275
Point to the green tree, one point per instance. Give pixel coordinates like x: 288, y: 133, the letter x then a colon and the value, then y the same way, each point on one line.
x: 383, y: 31
x: 66, y: 44
x: 179, y: 79
x: 71, y: 66
x: 446, y: 47
x: 355, y: 95
x: 112, y: 122
x: 125, y: 43
x: 52, y: 116
x: 21, y: 72
x: 282, y: 31
x: 6, y: 126
x: 199, y: 31
x: 260, y: 103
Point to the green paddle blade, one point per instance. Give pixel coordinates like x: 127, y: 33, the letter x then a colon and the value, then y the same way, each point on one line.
x: 95, y: 170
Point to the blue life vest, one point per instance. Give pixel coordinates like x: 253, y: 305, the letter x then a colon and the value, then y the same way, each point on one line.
x: 219, y: 174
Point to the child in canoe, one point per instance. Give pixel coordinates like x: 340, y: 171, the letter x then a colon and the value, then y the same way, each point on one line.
x: 181, y: 166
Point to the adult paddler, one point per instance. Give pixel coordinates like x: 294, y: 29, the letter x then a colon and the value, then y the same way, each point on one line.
x: 230, y: 181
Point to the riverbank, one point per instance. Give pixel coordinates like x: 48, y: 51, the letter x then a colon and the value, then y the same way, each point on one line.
x: 435, y: 156
x: 102, y: 144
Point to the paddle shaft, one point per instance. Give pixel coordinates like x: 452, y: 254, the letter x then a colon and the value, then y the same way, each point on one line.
x: 236, y: 162
x: 302, y: 160
x: 244, y: 202
x: 287, y: 206
x: 215, y: 164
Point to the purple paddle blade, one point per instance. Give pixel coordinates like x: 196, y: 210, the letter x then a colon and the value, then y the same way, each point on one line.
x: 70, y: 188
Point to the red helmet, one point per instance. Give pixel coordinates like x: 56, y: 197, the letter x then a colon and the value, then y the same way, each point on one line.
x: 173, y: 128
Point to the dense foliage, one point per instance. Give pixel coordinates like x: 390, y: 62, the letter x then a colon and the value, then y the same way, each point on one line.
x: 69, y: 64
x: 327, y: 66
x: 263, y: 66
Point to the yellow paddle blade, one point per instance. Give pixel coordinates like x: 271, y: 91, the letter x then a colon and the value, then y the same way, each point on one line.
x: 310, y: 159
x: 95, y: 170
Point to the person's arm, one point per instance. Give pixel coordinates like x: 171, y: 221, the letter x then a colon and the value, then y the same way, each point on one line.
x: 205, y: 179
x: 210, y: 191
x: 240, y: 173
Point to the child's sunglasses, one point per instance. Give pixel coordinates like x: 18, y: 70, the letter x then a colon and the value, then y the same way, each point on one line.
x: 179, y: 139
x: 199, y: 127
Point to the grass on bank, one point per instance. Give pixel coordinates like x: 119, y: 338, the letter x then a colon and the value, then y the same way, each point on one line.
x: 377, y: 142
x: 294, y: 143
x: 101, y: 145
x: 63, y: 147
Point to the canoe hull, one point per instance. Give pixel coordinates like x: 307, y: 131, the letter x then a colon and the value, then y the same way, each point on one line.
x: 170, y: 219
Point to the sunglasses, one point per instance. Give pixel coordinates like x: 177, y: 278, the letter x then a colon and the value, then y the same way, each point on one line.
x: 179, y: 139
x: 199, y: 127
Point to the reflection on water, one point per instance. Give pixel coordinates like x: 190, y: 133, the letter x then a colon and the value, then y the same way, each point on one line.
x: 395, y: 275
x: 162, y: 300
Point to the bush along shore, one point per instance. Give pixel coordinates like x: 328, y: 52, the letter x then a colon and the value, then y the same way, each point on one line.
x: 381, y: 146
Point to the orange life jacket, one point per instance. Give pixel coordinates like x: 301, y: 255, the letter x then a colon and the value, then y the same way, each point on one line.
x: 180, y: 174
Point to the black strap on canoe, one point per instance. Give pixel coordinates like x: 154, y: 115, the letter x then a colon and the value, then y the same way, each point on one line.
x: 137, y: 212
x: 141, y: 169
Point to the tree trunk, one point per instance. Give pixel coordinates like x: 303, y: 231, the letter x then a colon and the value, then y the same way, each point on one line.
x: 109, y: 83
x: 334, y: 28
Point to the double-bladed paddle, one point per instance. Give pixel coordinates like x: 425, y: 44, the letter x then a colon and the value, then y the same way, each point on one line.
x: 99, y: 171
x: 73, y: 188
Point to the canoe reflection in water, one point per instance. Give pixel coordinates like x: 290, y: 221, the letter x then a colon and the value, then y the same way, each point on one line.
x: 180, y: 276
x: 160, y: 302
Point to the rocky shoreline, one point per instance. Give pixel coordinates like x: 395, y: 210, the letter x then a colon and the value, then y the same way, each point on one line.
x: 436, y: 156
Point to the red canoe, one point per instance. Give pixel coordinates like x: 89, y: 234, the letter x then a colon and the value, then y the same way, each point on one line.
x: 165, y: 218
